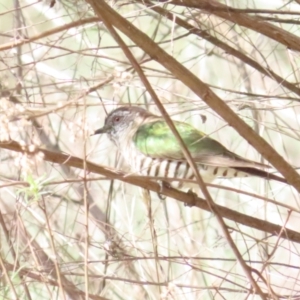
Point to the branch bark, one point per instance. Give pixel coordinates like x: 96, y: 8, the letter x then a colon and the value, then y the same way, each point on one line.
x: 140, y: 181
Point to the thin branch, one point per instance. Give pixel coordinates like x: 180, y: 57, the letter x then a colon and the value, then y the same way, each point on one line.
x: 188, y: 199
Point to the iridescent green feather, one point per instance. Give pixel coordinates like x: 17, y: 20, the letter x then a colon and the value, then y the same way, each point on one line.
x: 155, y: 139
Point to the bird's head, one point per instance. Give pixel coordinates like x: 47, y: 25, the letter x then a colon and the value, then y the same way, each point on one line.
x: 122, y: 120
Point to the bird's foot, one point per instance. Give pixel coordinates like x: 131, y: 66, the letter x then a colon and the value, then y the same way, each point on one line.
x: 162, y: 184
x: 193, y: 201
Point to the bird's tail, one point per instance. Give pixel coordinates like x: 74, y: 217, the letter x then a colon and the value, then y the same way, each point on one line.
x: 260, y: 173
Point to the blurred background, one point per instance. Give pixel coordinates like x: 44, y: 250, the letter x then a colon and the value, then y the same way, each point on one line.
x: 66, y: 233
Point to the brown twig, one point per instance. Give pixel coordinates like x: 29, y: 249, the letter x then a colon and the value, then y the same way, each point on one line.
x: 189, y: 200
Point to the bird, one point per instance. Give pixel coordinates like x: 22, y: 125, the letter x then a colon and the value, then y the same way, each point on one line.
x: 150, y: 148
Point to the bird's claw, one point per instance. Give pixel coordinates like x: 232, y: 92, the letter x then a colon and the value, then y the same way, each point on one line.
x: 162, y: 184
x: 194, y: 201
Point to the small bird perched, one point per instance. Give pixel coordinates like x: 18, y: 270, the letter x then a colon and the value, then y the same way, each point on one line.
x: 148, y: 145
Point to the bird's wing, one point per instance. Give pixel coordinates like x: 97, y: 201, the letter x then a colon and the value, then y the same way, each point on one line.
x: 155, y: 139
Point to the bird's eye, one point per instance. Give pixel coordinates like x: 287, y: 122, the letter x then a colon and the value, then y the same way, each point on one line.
x: 116, y: 119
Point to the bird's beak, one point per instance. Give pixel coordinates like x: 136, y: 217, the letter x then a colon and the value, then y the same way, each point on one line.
x: 104, y: 129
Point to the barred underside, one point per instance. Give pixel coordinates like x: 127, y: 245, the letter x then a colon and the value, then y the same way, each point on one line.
x: 154, y: 167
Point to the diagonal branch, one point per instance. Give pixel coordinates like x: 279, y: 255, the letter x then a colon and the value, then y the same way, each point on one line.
x: 140, y: 181
x: 222, y: 45
x: 212, y: 206
x: 234, y: 16
x: 200, y: 89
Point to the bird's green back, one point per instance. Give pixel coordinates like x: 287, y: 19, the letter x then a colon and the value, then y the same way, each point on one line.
x: 156, y: 139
